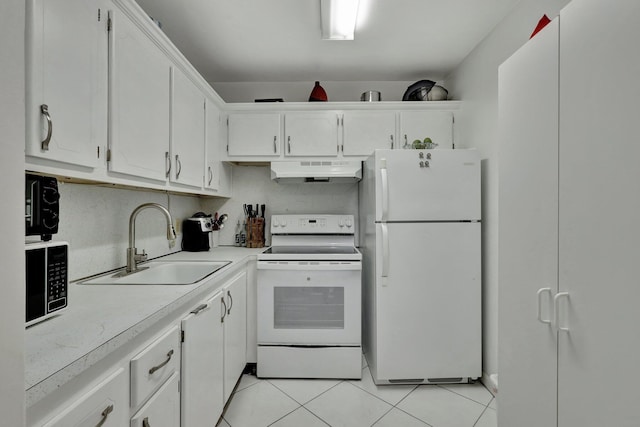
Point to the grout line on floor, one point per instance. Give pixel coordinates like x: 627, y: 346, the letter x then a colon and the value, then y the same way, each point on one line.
x: 481, y: 414
x: 301, y: 403
x: 284, y: 416
x: 462, y: 395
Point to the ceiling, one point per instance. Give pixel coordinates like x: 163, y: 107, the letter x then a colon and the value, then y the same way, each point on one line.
x: 279, y: 40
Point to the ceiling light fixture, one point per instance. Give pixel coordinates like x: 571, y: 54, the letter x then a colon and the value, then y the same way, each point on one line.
x: 338, y: 19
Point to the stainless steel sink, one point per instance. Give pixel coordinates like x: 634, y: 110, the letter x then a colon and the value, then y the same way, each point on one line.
x: 161, y: 273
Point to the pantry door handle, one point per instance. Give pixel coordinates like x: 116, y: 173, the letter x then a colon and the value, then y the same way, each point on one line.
x: 105, y: 415
x: 155, y: 368
x: 541, y: 292
x: 44, y: 109
x: 556, y: 305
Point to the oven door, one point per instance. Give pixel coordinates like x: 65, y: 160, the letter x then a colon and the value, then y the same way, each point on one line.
x: 309, y: 303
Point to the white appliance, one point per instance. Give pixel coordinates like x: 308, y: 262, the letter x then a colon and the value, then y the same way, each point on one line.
x: 309, y: 299
x: 420, y: 240
x: 328, y: 171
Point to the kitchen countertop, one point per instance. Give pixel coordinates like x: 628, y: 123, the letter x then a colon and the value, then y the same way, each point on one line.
x: 102, y: 318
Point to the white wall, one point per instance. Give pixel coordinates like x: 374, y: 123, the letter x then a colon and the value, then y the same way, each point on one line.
x: 95, y: 222
x: 475, y: 82
x: 12, y: 302
x: 300, y: 91
x: 253, y: 184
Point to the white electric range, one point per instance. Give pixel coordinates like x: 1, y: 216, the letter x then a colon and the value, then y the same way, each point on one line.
x: 309, y: 299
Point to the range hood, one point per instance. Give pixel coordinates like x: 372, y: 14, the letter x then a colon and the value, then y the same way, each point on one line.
x: 297, y: 172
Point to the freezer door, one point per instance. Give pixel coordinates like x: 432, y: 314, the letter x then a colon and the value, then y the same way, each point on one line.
x: 428, y: 301
x: 427, y: 185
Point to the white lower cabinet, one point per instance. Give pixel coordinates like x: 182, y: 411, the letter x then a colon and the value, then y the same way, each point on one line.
x: 235, y: 331
x: 202, y: 399
x: 163, y: 409
x: 104, y: 404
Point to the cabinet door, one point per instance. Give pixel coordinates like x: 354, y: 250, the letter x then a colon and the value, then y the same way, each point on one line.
x: 187, y: 130
x: 138, y: 102
x: 202, y: 364
x: 66, y: 71
x: 212, y: 132
x: 528, y: 232
x: 104, y: 405
x: 163, y: 408
x: 599, y: 209
x: 365, y: 131
x: 311, y: 134
x: 235, y: 332
x: 254, y: 134
x: 437, y: 125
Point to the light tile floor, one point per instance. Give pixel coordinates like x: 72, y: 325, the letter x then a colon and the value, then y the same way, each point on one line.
x: 336, y: 403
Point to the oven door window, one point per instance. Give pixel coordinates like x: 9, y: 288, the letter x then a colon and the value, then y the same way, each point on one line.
x: 308, y: 307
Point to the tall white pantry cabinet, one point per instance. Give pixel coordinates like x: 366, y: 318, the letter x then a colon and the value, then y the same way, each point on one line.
x: 569, y: 235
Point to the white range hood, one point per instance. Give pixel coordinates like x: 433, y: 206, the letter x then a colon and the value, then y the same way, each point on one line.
x: 296, y: 172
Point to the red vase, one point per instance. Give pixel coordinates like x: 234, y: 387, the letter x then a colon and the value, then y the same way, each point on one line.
x: 318, y: 94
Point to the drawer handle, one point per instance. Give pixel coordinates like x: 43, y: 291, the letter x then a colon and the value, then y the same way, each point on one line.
x: 105, y: 414
x: 145, y: 422
x: 155, y: 368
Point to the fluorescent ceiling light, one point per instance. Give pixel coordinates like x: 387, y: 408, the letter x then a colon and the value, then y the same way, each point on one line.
x: 338, y: 19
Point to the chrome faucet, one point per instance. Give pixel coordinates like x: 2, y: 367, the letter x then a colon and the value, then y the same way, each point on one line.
x: 133, y: 257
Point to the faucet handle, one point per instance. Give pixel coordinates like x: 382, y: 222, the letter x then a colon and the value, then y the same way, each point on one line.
x: 140, y: 257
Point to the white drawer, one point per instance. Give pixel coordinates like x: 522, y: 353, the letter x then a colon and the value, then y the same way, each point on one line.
x: 105, y: 404
x: 152, y: 366
x: 163, y: 409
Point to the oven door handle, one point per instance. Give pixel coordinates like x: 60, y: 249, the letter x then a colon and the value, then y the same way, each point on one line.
x: 309, y: 265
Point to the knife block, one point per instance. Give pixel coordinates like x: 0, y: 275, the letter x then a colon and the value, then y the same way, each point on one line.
x: 255, y: 233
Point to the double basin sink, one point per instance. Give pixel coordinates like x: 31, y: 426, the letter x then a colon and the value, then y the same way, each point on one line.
x: 161, y: 273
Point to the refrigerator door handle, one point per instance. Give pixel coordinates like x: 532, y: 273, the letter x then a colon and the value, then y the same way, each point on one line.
x: 385, y: 189
x: 556, y: 306
x: 385, y: 251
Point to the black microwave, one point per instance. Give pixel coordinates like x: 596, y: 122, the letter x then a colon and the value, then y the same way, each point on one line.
x: 46, y: 280
x: 42, y: 206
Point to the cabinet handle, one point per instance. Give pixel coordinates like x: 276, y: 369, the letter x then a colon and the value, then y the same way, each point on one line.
x: 105, y: 415
x: 391, y: 136
x: 406, y: 141
x: 230, y: 302
x: 275, y: 147
x: 224, y: 310
x: 167, y: 164
x: 145, y: 422
x: 210, y: 175
x: 199, y: 308
x: 44, y: 109
x: 155, y: 368
x: 540, y: 293
x: 289, y: 144
x: 556, y: 305
x: 178, y: 166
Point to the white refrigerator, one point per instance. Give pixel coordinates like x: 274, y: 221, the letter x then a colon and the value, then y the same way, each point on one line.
x: 421, y: 245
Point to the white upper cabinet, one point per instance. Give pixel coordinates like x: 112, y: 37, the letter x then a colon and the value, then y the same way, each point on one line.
x: 66, y: 80
x: 187, y: 131
x: 311, y: 134
x: 212, y: 146
x: 364, y: 131
x: 437, y: 125
x: 139, y: 83
x: 252, y: 134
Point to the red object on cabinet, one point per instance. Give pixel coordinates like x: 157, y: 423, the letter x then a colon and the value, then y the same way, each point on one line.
x: 541, y: 24
x: 318, y: 93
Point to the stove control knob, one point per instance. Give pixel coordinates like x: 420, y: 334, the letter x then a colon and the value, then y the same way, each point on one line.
x: 341, y: 222
x: 283, y: 222
x: 275, y: 221
x: 349, y: 222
